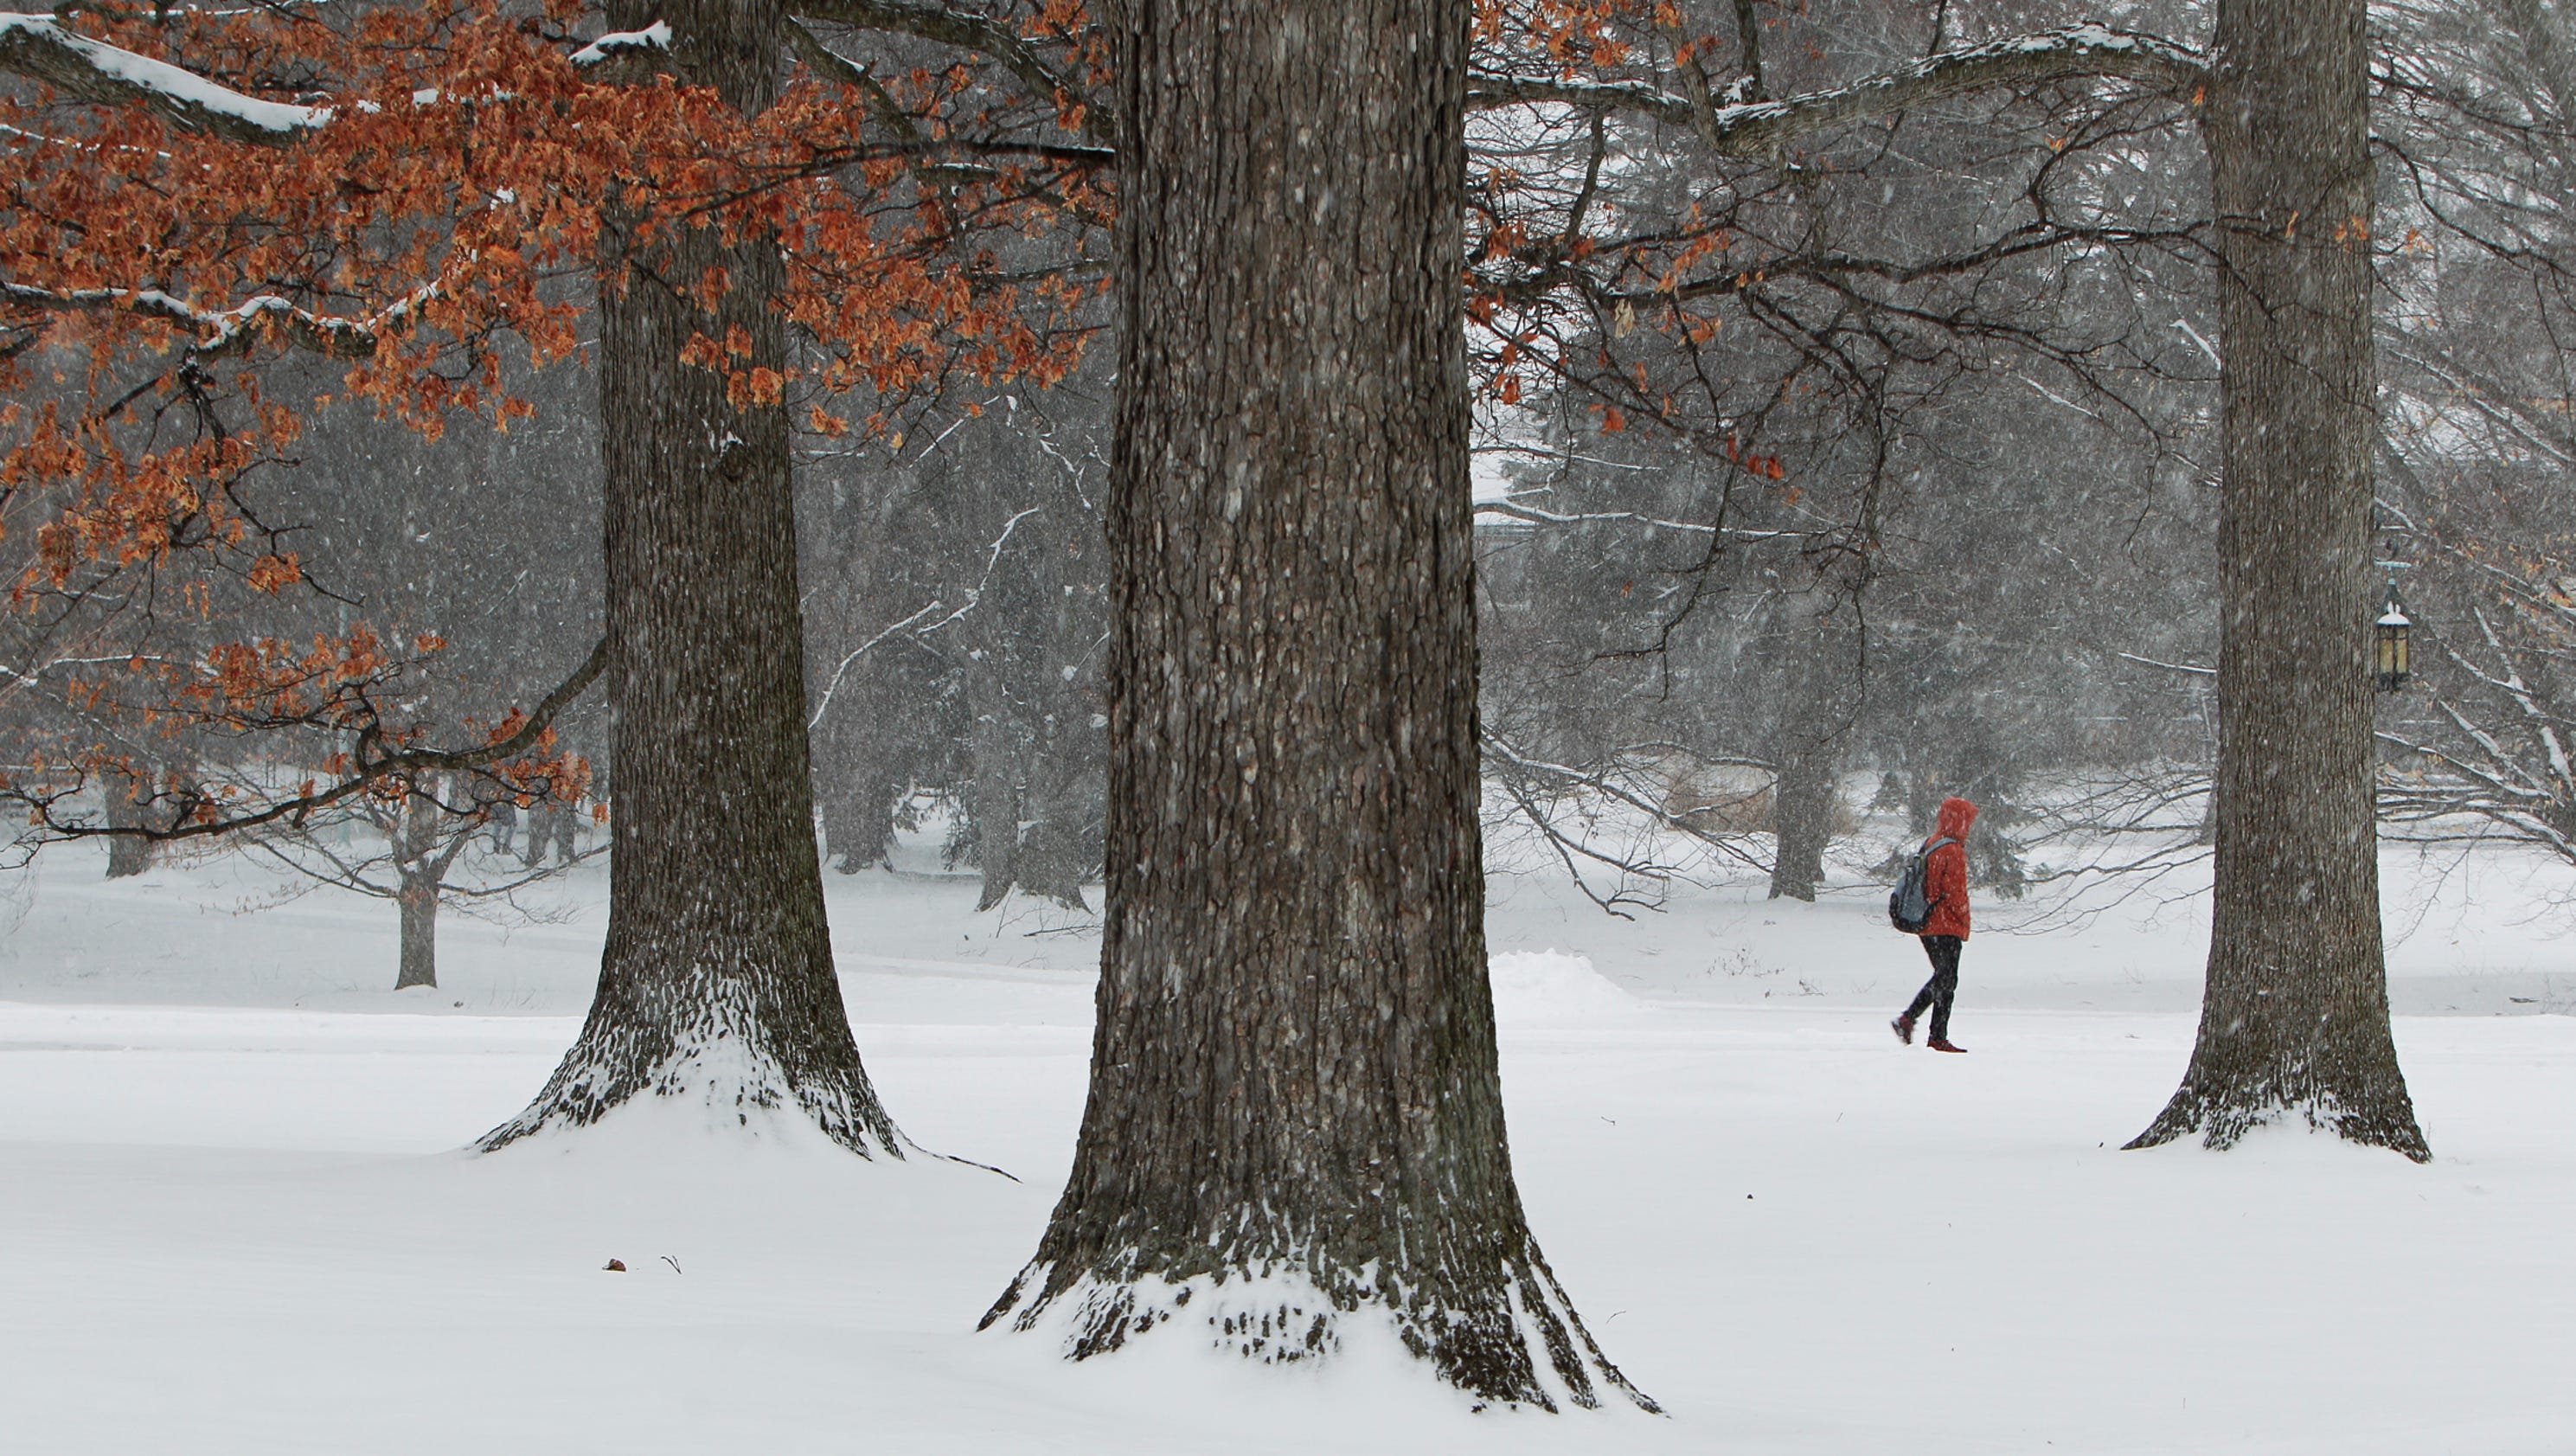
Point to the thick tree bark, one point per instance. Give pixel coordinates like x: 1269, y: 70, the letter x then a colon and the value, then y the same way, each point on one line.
x: 419, y: 902
x: 717, y: 982
x: 1295, y: 1118
x: 2295, y: 1019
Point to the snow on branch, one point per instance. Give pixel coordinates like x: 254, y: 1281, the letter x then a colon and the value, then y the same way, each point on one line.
x: 654, y: 37
x: 824, y: 705
x: 1503, y: 510
x: 1752, y: 129
x: 41, y: 49
x: 974, y: 598
x: 2170, y: 666
x: 222, y: 332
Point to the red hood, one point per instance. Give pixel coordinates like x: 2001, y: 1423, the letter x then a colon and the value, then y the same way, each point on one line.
x: 1956, y: 816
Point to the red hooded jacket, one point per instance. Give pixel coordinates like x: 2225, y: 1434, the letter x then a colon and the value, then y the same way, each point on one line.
x: 1945, y: 873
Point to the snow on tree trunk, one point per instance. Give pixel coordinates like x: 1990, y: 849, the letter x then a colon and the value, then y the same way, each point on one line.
x: 717, y: 981
x: 2294, y: 1023
x: 1295, y: 1119
x: 419, y: 901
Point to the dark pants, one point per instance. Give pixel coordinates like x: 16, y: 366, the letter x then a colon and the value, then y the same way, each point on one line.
x: 1943, y: 988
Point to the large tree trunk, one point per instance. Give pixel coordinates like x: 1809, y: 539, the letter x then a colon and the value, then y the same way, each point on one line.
x: 126, y: 795
x: 1295, y: 1118
x: 1807, y: 747
x: 1052, y: 862
x: 717, y: 982
x: 997, y: 786
x: 540, y: 817
x: 419, y: 901
x: 2295, y: 1019
x: 1028, y: 801
x: 858, y: 817
x: 419, y: 863
x: 567, y: 834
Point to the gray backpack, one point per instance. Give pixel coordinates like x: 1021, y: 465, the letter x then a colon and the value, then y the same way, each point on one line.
x: 1907, y: 910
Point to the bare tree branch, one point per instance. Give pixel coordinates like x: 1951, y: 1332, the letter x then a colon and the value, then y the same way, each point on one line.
x: 968, y: 31
x: 1752, y: 130
x: 370, y: 770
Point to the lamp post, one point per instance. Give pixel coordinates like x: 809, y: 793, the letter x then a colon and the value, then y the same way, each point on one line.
x: 2389, y: 644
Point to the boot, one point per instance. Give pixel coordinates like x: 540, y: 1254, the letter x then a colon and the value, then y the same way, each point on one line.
x: 1903, y: 1026
x: 1942, y: 1044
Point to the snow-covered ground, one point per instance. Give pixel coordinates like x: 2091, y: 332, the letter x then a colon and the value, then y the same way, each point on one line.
x: 233, y: 1217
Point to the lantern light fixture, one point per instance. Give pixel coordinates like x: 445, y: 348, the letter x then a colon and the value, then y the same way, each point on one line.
x: 2390, y: 645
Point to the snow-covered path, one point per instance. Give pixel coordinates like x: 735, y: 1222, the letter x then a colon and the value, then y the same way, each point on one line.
x: 244, y: 1228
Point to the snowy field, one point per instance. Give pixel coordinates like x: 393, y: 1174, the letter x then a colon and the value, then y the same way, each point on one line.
x: 233, y: 1216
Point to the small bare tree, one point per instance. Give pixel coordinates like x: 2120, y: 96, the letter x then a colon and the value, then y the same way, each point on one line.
x: 413, y: 841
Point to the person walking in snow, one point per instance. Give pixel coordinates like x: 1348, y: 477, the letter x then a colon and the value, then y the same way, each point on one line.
x: 1945, y: 889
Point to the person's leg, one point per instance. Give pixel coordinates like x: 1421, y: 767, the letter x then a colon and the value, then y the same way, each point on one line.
x: 1944, y: 987
x: 1904, y: 1022
x: 1931, y: 988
